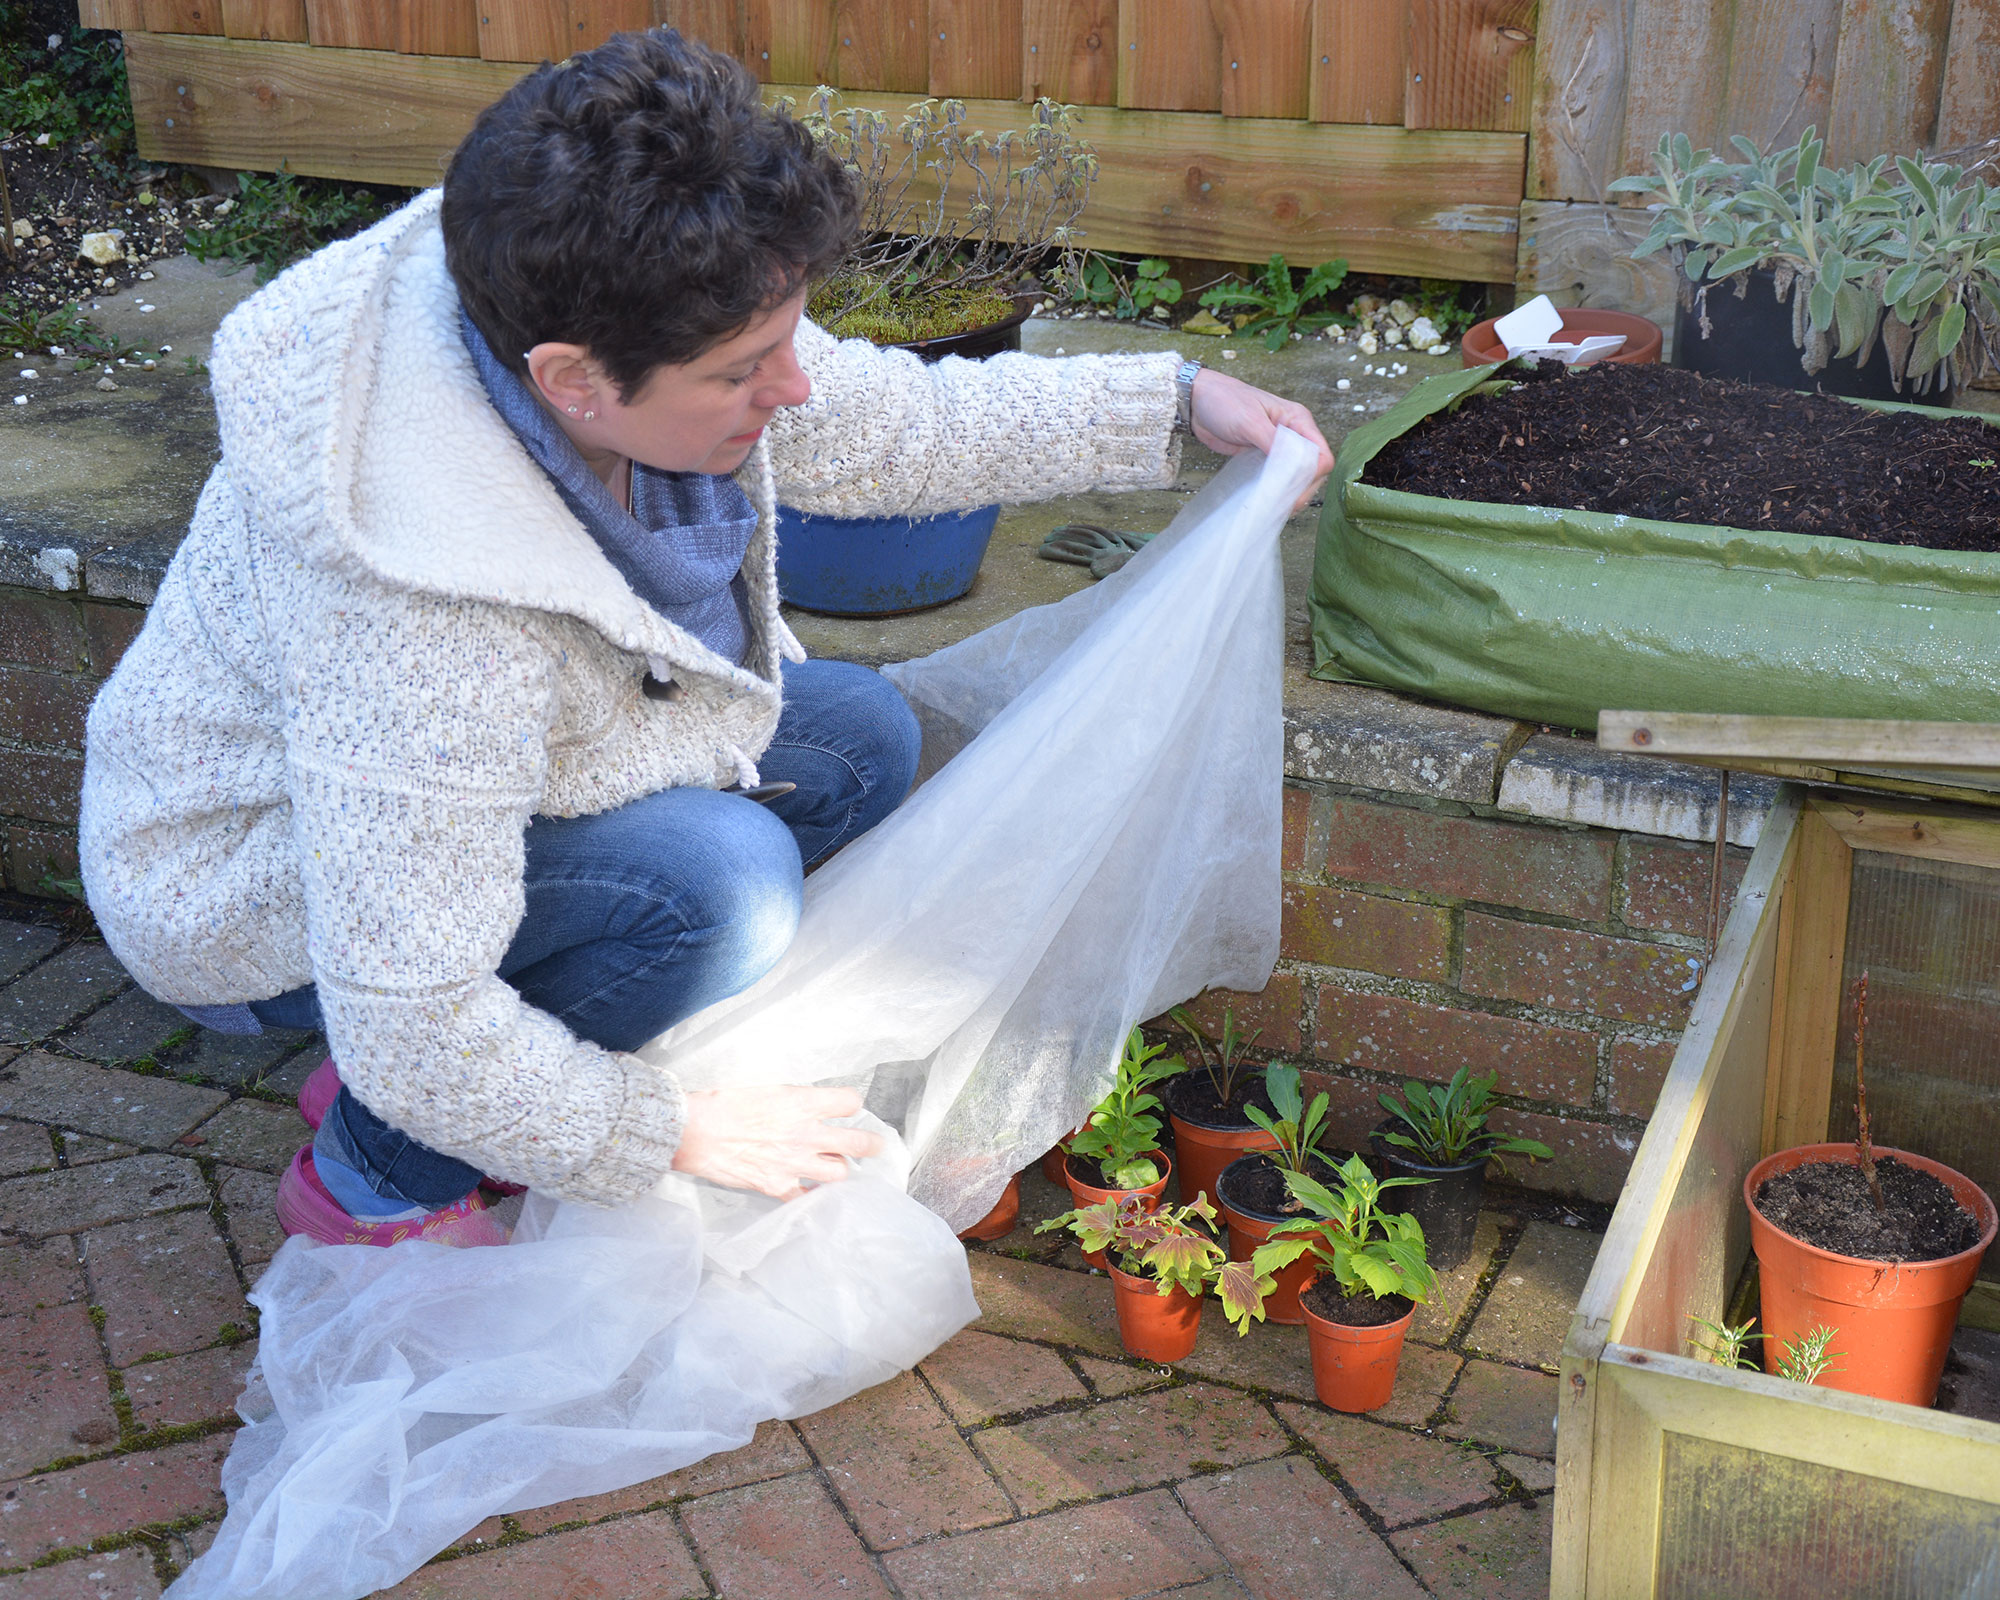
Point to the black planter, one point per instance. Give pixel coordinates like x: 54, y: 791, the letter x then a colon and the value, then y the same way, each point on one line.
x: 977, y: 343
x: 1751, y: 340
x: 1446, y: 1204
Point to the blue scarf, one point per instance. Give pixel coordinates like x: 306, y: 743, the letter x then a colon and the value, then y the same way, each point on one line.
x: 682, y: 544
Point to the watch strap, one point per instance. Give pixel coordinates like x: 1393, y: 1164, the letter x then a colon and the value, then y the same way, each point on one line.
x: 1184, y: 394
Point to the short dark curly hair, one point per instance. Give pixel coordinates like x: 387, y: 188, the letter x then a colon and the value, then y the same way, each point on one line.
x: 640, y: 201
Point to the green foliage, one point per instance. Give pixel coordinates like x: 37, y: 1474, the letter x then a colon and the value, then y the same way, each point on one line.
x: 1725, y: 1344
x: 1809, y: 1357
x: 1443, y: 301
x: 1908, y: 252
x: 1100, y: 280
x: 75, y: 91
x: 1165, y: 1245
x: 1276, y: 305
x: 273, y: 221
x: 1805, y: 1359
x: 1122, y: 1134
x: 1297, y: 1127
x: 1227, y: 1064
x: 1447, y: 1125
x: 1350, y: 1237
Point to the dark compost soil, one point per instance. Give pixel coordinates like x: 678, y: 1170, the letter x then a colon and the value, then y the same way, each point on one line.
x: 1673, y: 446
x: 1827, y: 1204
x: 1192, y: 1098
x: 1324, y: 1299
x: 1255, y: 1185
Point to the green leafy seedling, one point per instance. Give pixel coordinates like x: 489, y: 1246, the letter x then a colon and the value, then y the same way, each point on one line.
x: 1350, y: 1237
x: 1277, y: 306
x: 1446, y: 1126
x: 1297, y: 1127
x: 1223, y: 1069
x: 1122, y: 1133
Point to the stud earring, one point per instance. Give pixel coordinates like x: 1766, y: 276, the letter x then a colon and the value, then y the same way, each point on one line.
x: 572, y: 410
x: 590, y: 416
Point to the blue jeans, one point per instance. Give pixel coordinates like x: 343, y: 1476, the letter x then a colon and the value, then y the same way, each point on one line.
x: 639, y: 917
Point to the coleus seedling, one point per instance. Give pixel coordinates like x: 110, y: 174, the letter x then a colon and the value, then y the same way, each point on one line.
x: 1121, y: 1135
x: 1166, y: 1246
x: 1351, y: 1238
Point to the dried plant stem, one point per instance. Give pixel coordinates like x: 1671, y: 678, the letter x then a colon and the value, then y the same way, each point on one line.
x: 1862, y: 1145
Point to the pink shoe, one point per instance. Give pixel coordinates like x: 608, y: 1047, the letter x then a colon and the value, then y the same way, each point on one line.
x: 318, y: 1093
x: 304, y: 1206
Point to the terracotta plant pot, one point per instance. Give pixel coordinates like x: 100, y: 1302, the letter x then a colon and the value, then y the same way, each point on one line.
x: 1203, y: 1149
x: 1000, y: 1220
x: 1354, y: 1369
x: 1151, y: 1325
x: 1089, y: 1194
x: 1481, y: 347
x: 1054, y: 1157
x: 1447, y: 1203
x: 1247, y: 1230
x: 1893, y: 1322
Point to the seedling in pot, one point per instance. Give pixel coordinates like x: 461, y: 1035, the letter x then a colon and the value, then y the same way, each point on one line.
x: 1121, y: 1135
x: 1447, y: 1126
x: 1222, y: 1071
x: 1297, y: 1127
x: 1167, y: 1247
x: 1807, y: 1357
x: 1726, y: 1344
x: 1350, y: 1237
x: 1802, y: 1360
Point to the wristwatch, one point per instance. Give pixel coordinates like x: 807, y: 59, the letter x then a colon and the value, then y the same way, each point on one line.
x: 1184, y: 391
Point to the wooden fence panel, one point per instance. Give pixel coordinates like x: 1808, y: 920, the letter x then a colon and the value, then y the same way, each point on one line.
x: 182, y: 16
x: 1169, y: 55
x: 975, y: 48
x: 1360, y: 51
x: 1579, y: 107
x: 591, y: 22
x: 283, y: 20
x: 802, y: 41
x: 438, y: 28
x: 1069, y: 51
x: 1781, y: 66
x: 740, y: 28
x: 351, y: 24
x: 1266, y: 57
x: 1886, y: 83
x: 1472, y: 64
x: 881, y: 45
x: 1680, y: 49
x: 1969, y: 107
x: 523, y: 30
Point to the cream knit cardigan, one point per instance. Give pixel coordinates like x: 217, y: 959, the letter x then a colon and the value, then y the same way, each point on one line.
x: 385, y: 644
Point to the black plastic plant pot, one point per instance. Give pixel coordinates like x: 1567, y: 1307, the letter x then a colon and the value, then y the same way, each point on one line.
x: 1446, y: 1204
x: 1750, y: 339
x: 976, y: 344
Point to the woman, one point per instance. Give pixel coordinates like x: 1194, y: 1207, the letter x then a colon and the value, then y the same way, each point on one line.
x: 465, y: 725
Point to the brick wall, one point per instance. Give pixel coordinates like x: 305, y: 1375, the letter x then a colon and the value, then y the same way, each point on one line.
x: 1422, y: 936
x: 55, y: 649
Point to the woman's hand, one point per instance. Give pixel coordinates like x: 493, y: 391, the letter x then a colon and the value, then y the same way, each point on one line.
x: 772, y: 1140
x: 1230, y: 416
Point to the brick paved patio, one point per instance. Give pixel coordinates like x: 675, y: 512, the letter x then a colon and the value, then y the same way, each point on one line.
x: 1028, y: 1457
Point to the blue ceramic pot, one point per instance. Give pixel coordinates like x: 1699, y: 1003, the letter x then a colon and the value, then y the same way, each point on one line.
x: 876, y: 566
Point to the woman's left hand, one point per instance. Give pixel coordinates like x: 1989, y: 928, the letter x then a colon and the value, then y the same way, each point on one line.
x: 1230, y: 416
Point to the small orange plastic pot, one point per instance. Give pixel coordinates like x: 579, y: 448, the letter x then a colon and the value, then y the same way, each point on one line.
x: 1151, y: 1325
x: 1354, y: 1369
x: 1089, y: 1194
x: 1892, y: 1321
x: 1203, y: 1152
x: 1482, y: 347
x: 1249, y: 1229
x: 1000, y: 1220
x: 1054, y: 1157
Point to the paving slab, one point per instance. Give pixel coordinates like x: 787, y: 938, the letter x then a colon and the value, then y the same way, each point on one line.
x: 1505, y: 1406
x: 133, y: 1107
x: 202, y: 1387
x: 1112, y: 1550
x: 133, y: 1026
x: 114, y: 1575
x: 1532, y: 1475
x: 189, y: 300
x: 58, y: 1396
x: 80, y: 1149
x: 1444, y: 1311
x: 899, y: 1466
x: 1351, y: 734
x: 1113, y: 1378
x: 24, y: 1147
x: 251, y: 1133
x: 980, y: 1376
x: 1400, y: 1476
x: 1271, y: 1357
x: 1291, y: 1535
x: 249, y: 1203
x: 1029, y: 1301
x: 1127, y: 1444
x: 106, y: 1191
x: 59, y: 991
x: 1422, y: 1378
x: 782, y: 1540
x: 63, y: 1510
x: 773, y: 1452
x: 35, y: 1273
x: 641, y: 1558
x: 22, y: 944
x: 1497, y: 1554
x: 166, y: 1285
x: 235, y: 1059
x: 1564, y: 779
x: 1527, y: 1314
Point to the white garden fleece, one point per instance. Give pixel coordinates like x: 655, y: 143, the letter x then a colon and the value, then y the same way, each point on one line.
x: 386, y: 644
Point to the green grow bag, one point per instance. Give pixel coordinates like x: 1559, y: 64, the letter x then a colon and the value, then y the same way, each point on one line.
x: 1552, y: 616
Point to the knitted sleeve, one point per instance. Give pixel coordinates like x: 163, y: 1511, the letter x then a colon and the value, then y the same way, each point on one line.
x: 415, y: 749
x: 886, y: 435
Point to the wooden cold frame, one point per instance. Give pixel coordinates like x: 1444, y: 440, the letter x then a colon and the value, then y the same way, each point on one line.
x: 1752, y: 1075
